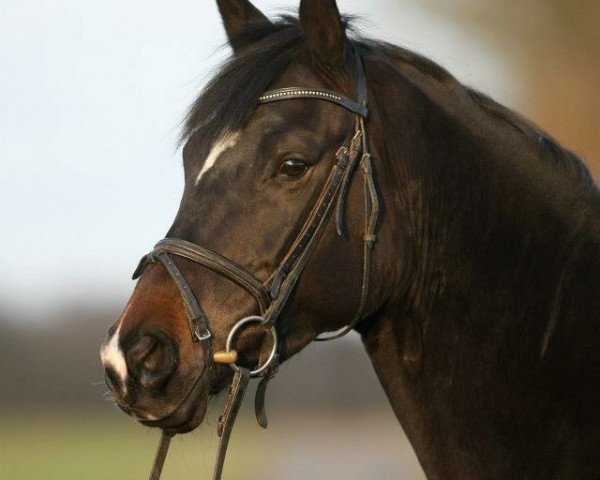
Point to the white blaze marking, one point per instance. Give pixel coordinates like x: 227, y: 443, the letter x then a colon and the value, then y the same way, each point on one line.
x: 112, y: 356
x: 226, y: 141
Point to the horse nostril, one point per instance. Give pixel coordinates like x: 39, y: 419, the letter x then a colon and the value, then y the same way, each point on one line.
x: 141, y: 349
x: 151, y: 360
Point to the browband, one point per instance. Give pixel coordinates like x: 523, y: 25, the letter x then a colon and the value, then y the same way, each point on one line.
x: 289, y: 93
x: 358, y: 107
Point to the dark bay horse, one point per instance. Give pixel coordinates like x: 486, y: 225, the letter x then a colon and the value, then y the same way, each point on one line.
x: 482, y: 314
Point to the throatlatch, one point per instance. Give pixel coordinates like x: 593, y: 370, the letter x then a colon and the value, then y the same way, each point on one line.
x: 271, y: 299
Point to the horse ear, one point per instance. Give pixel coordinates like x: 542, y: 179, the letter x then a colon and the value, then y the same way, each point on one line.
x: 323, y: 30
x: 237, y: 15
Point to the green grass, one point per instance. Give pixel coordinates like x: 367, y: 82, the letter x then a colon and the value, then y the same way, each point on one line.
x: 99, y: 446
x: 110, y: 445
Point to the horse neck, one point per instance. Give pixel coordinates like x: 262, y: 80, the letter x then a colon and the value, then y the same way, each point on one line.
x: 497, y: 265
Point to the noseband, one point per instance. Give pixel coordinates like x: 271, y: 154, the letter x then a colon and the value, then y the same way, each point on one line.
x: 272, y: 297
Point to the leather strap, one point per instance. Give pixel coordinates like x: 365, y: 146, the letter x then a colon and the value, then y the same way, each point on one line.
x: 310, y: 233
x: 196, y: 316
x: 371, y: 207
x: 362, y: 92
x: 261, y: 392
x: 213, y: 261
x: 354, y: 154
x: 235, y: 395
x: 290, y: 93
x: 161, y: 455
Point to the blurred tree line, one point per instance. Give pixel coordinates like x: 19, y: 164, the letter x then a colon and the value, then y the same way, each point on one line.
x: 56, y: 364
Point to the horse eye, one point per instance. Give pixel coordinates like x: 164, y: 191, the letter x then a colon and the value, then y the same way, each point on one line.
x: 293, y: 167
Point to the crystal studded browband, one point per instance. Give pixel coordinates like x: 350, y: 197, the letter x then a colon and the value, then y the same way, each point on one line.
x: 290, y: 93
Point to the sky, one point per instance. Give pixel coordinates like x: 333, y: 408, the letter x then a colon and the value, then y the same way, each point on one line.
x: 92, y: 94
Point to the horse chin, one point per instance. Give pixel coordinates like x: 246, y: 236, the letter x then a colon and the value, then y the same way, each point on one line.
x: 189, y: 413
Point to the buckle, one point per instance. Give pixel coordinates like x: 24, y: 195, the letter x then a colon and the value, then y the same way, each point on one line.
x: 201, y: 331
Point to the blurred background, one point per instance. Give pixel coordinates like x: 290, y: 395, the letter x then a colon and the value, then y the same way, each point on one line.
x: 91, y: 98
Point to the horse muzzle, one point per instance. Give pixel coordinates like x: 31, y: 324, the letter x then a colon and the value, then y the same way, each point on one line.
x: 144, y: 376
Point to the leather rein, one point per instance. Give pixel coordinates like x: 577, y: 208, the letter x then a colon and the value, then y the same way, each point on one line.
x: 272, y: 298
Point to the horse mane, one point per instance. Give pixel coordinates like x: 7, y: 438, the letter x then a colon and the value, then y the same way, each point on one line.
x: 564, y: 159
x: 563, y: 156
x: 230, y: 97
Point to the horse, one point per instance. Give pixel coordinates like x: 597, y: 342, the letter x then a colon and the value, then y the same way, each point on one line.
x: 467, y: 258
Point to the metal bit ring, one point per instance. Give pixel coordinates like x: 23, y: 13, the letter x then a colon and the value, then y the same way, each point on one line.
x: 233, y: 333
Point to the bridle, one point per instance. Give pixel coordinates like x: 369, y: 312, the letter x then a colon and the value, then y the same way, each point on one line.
x: 272, y: 297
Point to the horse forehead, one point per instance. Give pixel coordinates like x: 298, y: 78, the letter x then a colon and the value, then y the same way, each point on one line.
x: 262, y: 124
x: 226, y: 141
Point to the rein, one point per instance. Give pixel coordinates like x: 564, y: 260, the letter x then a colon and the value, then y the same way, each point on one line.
x: 271, y: 299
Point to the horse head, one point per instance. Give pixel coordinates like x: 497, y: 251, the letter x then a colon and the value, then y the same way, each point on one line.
x: 263, y: 173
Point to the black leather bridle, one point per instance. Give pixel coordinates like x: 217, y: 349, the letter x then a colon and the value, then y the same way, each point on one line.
x: 272, y: 297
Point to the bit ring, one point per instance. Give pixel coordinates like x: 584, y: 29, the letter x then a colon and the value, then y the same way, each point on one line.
x: 235, y: 330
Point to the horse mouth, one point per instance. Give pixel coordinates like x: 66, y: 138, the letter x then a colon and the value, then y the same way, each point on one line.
x: 188, y: 414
